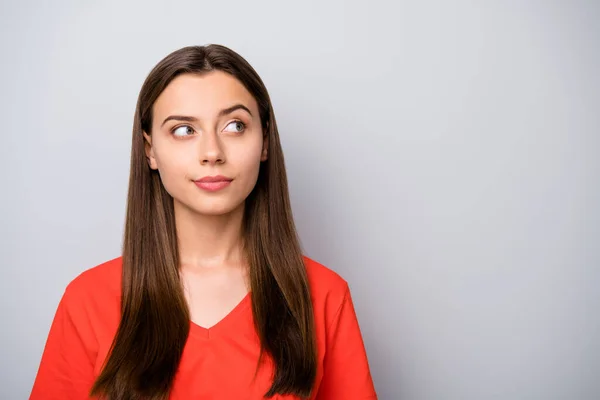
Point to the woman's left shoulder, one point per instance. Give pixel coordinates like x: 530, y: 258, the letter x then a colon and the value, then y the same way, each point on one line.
x: 325, y: 283
x: 343, y: 363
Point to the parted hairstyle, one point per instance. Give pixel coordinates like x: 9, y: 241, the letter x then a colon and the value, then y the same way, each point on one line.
x: 155, y: 320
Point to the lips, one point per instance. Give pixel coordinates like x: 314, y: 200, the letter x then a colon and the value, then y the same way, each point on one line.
x: 213, y: 183
x: 218, y: 178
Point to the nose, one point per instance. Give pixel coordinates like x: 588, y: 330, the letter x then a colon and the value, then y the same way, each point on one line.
x: 211, y: 149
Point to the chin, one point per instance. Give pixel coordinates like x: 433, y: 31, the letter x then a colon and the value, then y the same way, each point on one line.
x: 215, y: 209
x: 213, y: 213
x: 207, y: 206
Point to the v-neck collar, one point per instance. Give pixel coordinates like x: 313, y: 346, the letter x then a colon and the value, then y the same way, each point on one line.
x: 225, y: 322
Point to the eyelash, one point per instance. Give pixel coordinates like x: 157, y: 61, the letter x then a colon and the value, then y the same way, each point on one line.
x: 188, y: 126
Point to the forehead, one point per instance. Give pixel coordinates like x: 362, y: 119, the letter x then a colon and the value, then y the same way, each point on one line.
x: 202, y: 95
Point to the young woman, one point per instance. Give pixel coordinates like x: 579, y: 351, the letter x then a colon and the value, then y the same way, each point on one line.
x: 212, y: 297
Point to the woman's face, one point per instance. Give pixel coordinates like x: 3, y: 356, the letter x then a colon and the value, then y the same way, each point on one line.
x: 205, y: 126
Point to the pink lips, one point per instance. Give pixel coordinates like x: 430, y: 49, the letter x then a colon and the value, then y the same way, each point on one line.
x: 213, y: 183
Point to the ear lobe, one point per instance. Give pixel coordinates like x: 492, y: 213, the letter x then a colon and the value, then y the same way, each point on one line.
x: 149, y: 150
x: 263, y: 155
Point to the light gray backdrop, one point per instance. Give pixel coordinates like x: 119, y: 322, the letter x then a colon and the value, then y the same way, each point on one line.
x: 442, y: 156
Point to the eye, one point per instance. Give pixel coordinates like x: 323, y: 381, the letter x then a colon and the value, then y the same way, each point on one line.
x: 181, y: 132
x: 238, y: 126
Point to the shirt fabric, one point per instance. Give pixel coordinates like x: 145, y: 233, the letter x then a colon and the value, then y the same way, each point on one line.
x: 217, y: 362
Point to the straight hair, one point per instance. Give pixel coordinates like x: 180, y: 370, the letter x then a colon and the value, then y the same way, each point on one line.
x: 155, y: 319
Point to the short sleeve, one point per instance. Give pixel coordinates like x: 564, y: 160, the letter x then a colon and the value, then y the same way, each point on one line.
x: 346, y: 373
x: 66, y: 370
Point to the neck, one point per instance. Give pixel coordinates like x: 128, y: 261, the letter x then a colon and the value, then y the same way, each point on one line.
x: 209, y: 240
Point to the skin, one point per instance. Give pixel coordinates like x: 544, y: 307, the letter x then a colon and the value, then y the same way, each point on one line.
x: 208, y: 224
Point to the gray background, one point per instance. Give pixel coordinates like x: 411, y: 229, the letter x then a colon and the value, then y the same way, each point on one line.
x: 442, y: 156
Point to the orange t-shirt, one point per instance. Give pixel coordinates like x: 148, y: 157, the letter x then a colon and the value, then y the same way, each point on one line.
x: 217, y: 363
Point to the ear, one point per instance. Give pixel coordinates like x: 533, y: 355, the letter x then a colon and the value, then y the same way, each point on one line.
x: 263, y: 155
x: 149, y: 151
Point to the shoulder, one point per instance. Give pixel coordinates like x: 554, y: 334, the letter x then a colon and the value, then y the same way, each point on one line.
x: 92, y: 299
x: 89, y: 308
x: 328, y: 291
x: 323, y: 280
x: 103, y: 279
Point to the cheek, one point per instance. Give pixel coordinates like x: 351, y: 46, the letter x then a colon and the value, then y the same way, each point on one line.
x: 172, y: 167
x: 171, y: 163
x: 247, y: 161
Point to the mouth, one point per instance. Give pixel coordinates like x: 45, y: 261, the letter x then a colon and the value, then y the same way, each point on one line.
x: 213, y: 183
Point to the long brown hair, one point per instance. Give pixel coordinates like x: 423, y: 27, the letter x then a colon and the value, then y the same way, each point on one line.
x: 155, y: 319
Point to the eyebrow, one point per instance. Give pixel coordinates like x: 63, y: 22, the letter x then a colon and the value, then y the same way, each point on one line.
x: 223, y: 112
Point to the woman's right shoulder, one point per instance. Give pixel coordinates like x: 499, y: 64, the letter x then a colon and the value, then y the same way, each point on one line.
x: 102, y: 280
x: 90, y: 304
